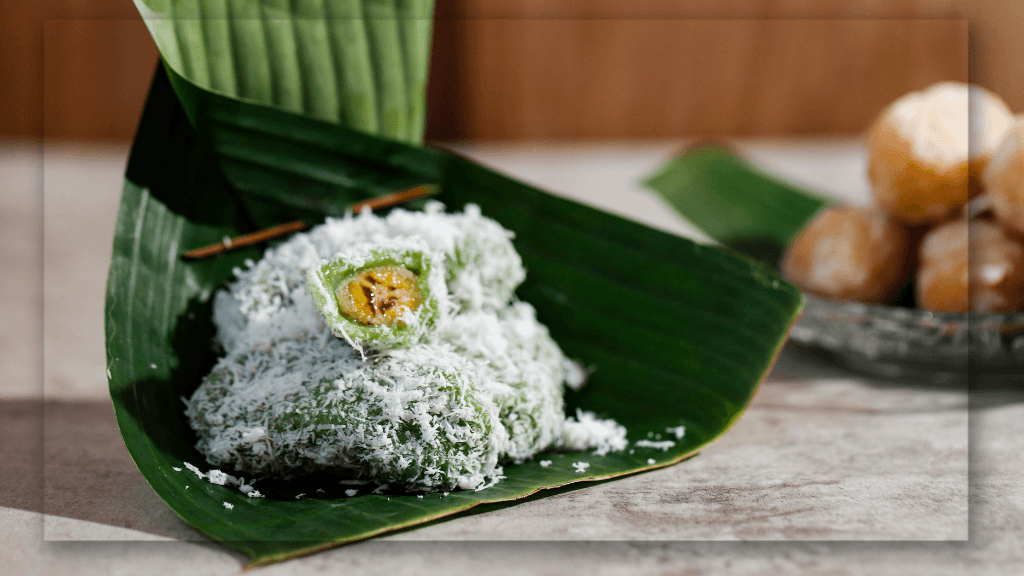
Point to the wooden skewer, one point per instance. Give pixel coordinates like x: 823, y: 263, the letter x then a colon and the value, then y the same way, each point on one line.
x: 393, y: 199
x: 246, y: 240
x: 290, y: 227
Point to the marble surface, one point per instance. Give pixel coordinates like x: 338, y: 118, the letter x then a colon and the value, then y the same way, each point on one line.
x: 828, y: 471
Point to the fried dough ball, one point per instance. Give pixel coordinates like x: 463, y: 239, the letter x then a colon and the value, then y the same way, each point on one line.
x: 976, y: 267
x: 942, y: 278
x: 1004, y: 179
x: 850, y: 254
x: 927, y: 150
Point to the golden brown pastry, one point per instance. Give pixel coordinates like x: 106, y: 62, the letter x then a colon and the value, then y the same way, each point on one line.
x: 928, y: 148
x: 850, y: 254
x: 976, y: 267
x: 942, y: 278
x: 1004, y: 179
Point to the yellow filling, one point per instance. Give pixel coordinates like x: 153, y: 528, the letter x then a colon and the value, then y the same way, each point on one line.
x: 379, y: 295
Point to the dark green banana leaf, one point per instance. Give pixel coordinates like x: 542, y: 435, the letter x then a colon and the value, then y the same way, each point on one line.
x: 677, y: 333
x: 359, y: 63
x: 733, y: 202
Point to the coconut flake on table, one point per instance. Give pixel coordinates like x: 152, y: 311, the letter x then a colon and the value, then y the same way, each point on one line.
x: 588, y: 431
x: 575, y: 374
x: 195, y: 470
x: 677, y: 431
x: 664, y: 445
x: 220, y: 478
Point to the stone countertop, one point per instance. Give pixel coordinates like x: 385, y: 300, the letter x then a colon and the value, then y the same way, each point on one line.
x: 822, y: 457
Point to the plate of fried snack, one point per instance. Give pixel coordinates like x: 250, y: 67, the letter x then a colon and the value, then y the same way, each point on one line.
x: 927, y: 282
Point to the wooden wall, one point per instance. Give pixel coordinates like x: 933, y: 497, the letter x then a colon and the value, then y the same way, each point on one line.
x: 563, y: 69
x: 95, y: 77
x: 559, y: 78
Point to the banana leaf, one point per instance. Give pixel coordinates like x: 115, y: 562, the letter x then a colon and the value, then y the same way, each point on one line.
x: 360, y: 63
x: 733, y: 202
x: 678, y: 334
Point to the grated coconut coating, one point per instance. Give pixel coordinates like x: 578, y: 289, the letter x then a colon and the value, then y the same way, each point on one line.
x: 519, y: 363
x: 485, y: 269
x: 465, y: 382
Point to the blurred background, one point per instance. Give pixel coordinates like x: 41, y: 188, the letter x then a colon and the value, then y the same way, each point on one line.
x: 571, y: 69
x: 581, y: 97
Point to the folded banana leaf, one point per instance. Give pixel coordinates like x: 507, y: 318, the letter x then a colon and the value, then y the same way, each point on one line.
x: 360, y: 63
x: 678, y: 334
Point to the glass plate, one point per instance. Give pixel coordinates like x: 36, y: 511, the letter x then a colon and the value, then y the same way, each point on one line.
x: 907, y: 343
x: 740, y: 206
